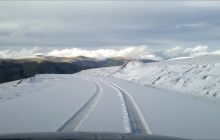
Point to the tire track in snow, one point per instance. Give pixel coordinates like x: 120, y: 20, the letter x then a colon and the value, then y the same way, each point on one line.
x: 137, y: 123
x: 77, y: 119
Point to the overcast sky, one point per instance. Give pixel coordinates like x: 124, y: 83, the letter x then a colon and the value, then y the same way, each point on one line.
x: 110, y: 24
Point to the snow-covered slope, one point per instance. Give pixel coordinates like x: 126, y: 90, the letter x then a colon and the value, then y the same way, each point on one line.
x: 198, y: 76
x: 104, y: 71
x: 10, y: 90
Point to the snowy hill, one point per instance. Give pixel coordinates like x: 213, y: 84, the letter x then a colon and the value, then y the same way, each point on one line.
x: 199, y: 76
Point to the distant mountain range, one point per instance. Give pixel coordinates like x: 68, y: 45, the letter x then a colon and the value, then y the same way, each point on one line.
x: 14, y: 69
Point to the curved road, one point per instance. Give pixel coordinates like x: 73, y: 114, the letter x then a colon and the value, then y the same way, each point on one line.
x: 104, y: 104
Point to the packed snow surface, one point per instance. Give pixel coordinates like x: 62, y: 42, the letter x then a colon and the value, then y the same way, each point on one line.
x: 78, y: 102
x: 198, y: 76
x: 42, y: 108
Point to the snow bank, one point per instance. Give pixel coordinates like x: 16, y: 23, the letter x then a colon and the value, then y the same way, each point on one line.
x: 197, y: 76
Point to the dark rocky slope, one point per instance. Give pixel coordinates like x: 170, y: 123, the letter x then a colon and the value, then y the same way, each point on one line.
x: 23, y: 68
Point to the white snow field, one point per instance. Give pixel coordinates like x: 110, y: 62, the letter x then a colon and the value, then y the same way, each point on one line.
x: 198, y: 76
x: 78, y: 102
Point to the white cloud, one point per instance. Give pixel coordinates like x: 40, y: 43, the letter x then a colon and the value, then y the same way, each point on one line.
x: 186, y: 52
x: 217, y: 52
x: 138, y: 52
x: 130, y: 52
x: 18, y: 53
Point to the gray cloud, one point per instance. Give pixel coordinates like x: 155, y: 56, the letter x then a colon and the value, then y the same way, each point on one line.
x: 23, y: 53
x: 103, y: 24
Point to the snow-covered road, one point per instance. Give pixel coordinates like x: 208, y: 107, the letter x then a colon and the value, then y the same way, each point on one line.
x: 102, y: 104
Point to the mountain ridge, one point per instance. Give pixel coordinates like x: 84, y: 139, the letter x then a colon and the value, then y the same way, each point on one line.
x: 14, y: 69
